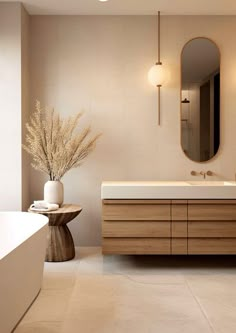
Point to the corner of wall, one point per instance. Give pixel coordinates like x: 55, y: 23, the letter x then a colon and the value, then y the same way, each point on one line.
x: 25, y: 96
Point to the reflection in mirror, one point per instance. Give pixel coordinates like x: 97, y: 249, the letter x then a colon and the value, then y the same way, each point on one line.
x: 200, y: 99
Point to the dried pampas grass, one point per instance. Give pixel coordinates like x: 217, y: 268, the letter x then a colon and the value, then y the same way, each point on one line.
x: 54, y: 144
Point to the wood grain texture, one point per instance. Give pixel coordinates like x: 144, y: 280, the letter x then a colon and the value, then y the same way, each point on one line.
x: 157, y: 229
x: 62, y: 215
x: 179, y: 212
x: 60, y: 245
x: 211, y: 246
x: 212, y: 212
x: 179, y: 202
x: 136, y: 246
x: 163, y: 227
x: 179, y: 246
x: 179, y: 229
x: 211, y: 229
x: 136, y: 212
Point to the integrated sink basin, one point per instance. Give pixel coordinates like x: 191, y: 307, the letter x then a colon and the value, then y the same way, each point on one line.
x: 169, y: 190
x: 211, y: 183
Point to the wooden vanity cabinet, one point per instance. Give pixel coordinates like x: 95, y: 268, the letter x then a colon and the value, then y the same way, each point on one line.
x: 179, y: 227
x: 136, y: 226
x: 211, y: 226
x: 169, y: 226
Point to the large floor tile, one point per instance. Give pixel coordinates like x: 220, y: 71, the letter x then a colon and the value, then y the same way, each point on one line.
x: 92, y: 262
x: 217, y: 296
x: 97, y: 264
x: 141, y: 294
x: 65, y: 266
x: 85, y: 253
x: 58, y: 280
x: 50, y: 306
x: 221, y: 314
x: 39, y: 327
x: 130, y: 326
x: 116, y: 300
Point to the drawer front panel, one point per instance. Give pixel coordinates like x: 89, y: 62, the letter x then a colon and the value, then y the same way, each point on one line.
x: 179, y: 212
x: 179, y: 229
x: 210, y: 212
x: 136, y: 245
x: 136, y: 229
x: 136, y: 212
x: 223, y: 229
x: 179, y: 246
x: 212, y: 246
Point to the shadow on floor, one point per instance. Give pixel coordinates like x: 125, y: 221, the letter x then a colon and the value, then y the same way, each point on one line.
x: 209, y: 262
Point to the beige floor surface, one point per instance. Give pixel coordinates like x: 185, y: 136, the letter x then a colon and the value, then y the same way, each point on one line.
x: 135, y: 294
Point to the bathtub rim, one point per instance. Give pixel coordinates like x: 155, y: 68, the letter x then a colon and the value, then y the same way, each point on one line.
x: 43, y: 223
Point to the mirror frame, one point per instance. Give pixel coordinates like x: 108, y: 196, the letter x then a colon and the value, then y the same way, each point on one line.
x: 220, y: 124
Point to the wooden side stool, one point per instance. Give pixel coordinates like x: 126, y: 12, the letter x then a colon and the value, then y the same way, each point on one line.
x: 60, y: 244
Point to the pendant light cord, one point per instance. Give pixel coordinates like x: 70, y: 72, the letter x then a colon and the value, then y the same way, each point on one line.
x: 159, y: 38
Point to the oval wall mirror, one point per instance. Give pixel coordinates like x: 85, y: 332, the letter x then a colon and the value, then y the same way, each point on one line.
x: 200, y: 99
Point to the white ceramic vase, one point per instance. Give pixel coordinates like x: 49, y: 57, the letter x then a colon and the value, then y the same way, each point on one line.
x: 54, y: 192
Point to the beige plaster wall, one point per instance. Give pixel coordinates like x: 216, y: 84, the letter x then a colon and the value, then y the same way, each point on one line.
x: 25, y: 104
x: 99, y: 65
x: 14, y: 106
x: 10, y: 106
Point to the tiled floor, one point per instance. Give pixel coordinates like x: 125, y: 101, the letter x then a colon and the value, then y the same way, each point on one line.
x: 135, y: 294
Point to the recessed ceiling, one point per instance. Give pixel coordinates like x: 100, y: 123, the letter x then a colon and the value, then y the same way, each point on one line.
x: 129, y: 7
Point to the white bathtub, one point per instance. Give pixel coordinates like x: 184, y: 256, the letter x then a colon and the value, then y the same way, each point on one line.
x: 22, y: 253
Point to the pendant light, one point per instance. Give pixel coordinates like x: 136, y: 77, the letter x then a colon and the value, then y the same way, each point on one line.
x: 156, y: 74
x: 185, y: 110
x: 185, y: 101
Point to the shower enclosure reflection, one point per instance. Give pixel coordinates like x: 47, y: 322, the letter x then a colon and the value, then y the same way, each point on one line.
x: 200, y: 99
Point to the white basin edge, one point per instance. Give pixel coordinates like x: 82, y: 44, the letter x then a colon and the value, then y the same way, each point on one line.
x: 169, y: 190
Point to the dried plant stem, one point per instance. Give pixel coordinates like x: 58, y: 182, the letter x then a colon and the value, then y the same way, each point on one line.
x: 55, y: 144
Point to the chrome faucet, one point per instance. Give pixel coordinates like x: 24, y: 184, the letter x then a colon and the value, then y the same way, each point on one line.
x: 203, y: 173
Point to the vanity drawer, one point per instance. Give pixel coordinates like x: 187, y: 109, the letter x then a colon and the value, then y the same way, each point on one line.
x: 136, y: 210
x: 211, y: 229
x: 179, y: 226
x: 212, y: 210
x: 179, y: 210
x: 212, y: 246
x: 136, y: 229
x: 136, y: 246
x: 179, y: 246
x: 179, y: 229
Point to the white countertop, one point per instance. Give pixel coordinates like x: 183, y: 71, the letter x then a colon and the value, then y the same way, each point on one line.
x: 168, y: 190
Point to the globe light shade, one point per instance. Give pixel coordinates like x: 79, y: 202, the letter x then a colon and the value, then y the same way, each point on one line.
x: 157, y: 75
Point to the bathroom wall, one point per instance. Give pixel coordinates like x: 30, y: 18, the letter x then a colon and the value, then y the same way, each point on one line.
x: 99, y: 65
x: 25, y: 104
x: 14, y: 101
x: 11, y: 106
